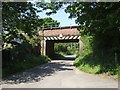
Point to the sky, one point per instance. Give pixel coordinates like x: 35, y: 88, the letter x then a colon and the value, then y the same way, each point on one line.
x: 61, y: 17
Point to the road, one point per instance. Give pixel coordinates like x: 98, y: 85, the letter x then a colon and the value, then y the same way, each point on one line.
x: 58, y: 74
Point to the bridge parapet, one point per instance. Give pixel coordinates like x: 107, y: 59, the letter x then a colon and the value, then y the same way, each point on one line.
x: 57, y: 31
x: 56, y: 35
x: 60, y: 33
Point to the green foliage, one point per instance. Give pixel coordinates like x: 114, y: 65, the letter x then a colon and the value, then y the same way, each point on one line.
x: 119, y: 72
x: 30, y: 61
x: 49, y: 22
x: 60, y: 47
x: 19, y: 19
x: 85, y: 61
x: 87, y: 41
x: 21, y: 49
x: 95, y: 18
x: 99, y: 20
x: 53, y: 7
x: 87, y: 64
x: 20, y: 23
x: 96, y: 62
x: 66, y: 48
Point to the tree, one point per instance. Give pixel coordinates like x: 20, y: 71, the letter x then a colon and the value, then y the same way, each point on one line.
x: 18, y: 18
x: 20, y: 22
x: 101, y: 22
x: 49, y: 22
x: 53, y: 7
x: 20, y: 30
x: 94, y: 18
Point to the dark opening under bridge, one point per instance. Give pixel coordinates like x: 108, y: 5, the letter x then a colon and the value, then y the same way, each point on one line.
x: 58, y: 35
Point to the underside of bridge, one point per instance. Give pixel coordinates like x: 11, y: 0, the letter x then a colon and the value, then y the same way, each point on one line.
x: 58, y: 35
x: 50, y: 45
x: 47, y: 46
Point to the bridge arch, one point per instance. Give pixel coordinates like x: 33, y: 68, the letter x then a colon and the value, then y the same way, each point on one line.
x: 58, y: 35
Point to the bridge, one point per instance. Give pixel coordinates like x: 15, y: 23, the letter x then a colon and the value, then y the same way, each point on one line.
x: 58, y: 35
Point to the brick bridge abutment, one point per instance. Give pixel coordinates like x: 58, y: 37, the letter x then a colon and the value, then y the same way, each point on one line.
x: 58, y: 35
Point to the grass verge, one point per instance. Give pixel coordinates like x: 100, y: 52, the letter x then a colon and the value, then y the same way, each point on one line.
x: 97, y: 62
x: 19, y: 66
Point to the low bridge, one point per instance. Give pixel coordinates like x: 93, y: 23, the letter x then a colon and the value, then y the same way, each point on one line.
x: 58, y: 35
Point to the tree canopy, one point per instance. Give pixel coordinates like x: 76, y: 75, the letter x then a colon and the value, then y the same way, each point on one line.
x: 99, y: 19
x: 49, y: 22
x: 21, y: 41
x: 18, y: 18
x: 20, y: 22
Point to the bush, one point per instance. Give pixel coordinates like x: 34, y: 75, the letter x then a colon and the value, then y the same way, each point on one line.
x: 86, y: 64
x: 15, y: 54
x: 66, y: 48
x: 30, y: 61
x: 96, y: 61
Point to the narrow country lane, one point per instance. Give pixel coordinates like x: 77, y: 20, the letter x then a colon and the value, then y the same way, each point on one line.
x: 57, y: 74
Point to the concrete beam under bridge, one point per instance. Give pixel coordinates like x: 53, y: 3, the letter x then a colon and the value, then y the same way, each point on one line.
x: 65, y: 41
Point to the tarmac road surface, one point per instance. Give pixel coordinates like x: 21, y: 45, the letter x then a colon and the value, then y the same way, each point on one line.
x: 58, y: 74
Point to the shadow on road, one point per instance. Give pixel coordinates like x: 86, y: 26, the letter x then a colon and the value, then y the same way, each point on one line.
x: 36, y: 74
x: 67, y: 57
x: 70, y: 57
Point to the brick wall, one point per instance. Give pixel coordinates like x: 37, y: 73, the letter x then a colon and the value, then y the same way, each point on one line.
x: 63, y: 31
